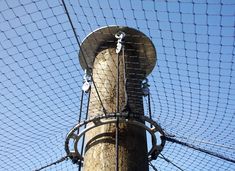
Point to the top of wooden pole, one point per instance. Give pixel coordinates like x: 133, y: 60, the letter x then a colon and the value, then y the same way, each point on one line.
x: 135, y: 39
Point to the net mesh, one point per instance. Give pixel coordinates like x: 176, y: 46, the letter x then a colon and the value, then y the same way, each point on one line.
x: 192, y: 85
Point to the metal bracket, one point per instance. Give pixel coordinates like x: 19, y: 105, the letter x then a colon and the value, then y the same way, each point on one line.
x: 99, y: 120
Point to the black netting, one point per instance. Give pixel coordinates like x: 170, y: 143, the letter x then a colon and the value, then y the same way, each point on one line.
x: 192, y: 85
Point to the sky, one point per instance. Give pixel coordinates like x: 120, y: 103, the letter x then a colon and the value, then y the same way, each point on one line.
x: 192, y: 85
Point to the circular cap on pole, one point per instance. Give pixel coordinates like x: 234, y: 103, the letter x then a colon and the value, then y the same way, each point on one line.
x: 139, y: 42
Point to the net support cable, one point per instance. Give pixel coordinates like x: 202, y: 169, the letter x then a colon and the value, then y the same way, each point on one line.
x: 119, y: 48
x: 117, y: 112
x: 169, y: 161
x: 75, y: 34
x: 83, y: 140
x: 80, y: 110
x: 53, y: 163
x: 152, y: 166
x: 74, y: 160
x: 173, y: 140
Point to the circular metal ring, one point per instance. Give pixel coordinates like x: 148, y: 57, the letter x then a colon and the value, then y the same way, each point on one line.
x: 99, y: 120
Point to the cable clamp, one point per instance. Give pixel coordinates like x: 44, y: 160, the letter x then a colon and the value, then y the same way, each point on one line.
x: 145, y: 88
x: 120, y: 36
x: 86, y: 82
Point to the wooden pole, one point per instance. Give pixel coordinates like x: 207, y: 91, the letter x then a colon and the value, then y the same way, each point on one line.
x: 98, y: 53
x: 100, y: 142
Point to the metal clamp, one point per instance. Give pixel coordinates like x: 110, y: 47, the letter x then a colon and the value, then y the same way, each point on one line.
x: 135, y: 120
x: 86, y: 82
x: 120, y: 36
x: 145, y: 87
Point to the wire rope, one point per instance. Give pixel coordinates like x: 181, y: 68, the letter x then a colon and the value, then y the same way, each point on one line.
x: 75, y: 34
x: 83, y: 140
x: 199, y: 149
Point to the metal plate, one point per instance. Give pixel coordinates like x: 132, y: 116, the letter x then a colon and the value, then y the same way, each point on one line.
x: 138, y: 41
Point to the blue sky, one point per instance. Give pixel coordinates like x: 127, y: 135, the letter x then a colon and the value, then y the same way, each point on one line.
x: 192, y: 85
